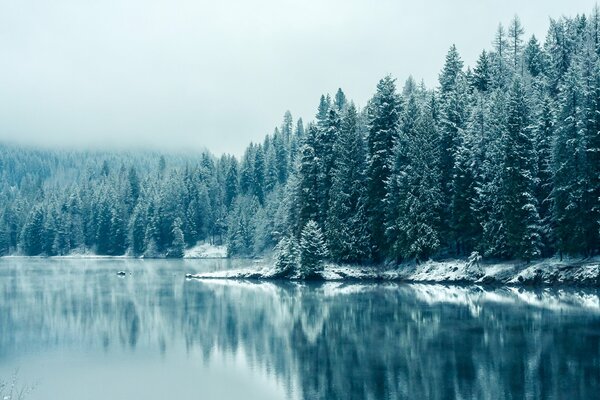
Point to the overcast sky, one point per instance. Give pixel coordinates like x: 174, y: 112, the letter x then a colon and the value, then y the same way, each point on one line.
x: 188, y: 74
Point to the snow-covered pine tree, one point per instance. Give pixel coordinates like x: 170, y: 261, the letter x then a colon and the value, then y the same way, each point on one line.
x: 313, y: 250
x: 465, y: 227
x: 137, y: 229
x: 286, y: 257
x: 324, y: 106
x: 520, y: 208
x: 414, y: 197
x: 454, y: 107
x: 488, y: 126
x: 589, y: 63
x: 515, y: 39
x: 177, y: 248
x: 306, y: 183
x: 383, y: 119
x: 544, y: 137
x: 534, y: 58
x: 340, y: 100
x: 346, y: 224
x: 32, y: 233
x: 258, y: 174
x: 482, y: 73
x: 324, y: 153
x: 499, y: 59
x: 231, y: 182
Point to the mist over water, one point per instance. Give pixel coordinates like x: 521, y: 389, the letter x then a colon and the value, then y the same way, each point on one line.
x: 78, y: 330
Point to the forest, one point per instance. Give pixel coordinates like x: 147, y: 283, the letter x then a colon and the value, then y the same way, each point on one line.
x: 502, y: 159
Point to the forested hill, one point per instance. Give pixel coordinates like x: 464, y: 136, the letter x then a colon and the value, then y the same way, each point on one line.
x: 502, y: 158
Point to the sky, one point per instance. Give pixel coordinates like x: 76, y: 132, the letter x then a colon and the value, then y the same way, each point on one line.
x: 190, y: 74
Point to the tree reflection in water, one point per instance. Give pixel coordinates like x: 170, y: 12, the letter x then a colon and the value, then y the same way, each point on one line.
x: 331, y: 340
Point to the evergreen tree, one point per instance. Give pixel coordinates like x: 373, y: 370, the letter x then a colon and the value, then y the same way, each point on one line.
x: 346, y: 224
x: 482, y: 73
x: 534, y: 58
x: 340, y: 100
x: 383, y: 119
x: 325, y: 156
x: 520, y: 207
x: 177, y: 248
x: 231, y: 182
x: 286, y: 257
x: 515, y: 38
x: 307, y: 184
x: 32, y: 233
x: 414, y: 195
x: 312, y: 250
x: 137, y: 230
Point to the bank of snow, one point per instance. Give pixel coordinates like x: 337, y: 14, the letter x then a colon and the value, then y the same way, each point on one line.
x: 206, y: 250
x: 551, y: 271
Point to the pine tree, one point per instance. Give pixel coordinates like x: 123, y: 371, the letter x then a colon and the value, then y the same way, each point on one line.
x: 482, y: 73
x: 286, y: 258
x: 463, y: 222
x: 500, y: 71
x: 241, y: 232
x: 520, y: 209
x: 137, y: 230
x: 287, y: 126
x: 534, y: 57
x: 177, y: 248
x: 231, y: 182
x: 312, y: 250
x: 346, y: 223
x: 414, y: 195
x: 383, y: 119
x: 453, y: 121
x: 307, y: 183
x: 451, y: 71
x: 258, y: 187
x: 134, y: 189
x: 544, y: 137
x: 515, y: 37
x: 589, y: 62
x: 488, y: 125
x: 32, y: 233
x: 325, y: 156
x: 340, y: 101
x: 324, y: 106
x: 568, y: 162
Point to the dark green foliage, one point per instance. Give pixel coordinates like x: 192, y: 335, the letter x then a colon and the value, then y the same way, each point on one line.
x: 346, y: 222
x: 383, y: 120
x: 520, y: 207
x: 313, y: 250
x: 177, y: 248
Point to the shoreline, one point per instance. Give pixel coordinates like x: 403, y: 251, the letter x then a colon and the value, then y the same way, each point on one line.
x: 545, y: 272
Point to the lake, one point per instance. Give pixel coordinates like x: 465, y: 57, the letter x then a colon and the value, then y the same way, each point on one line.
x: 76, y: 330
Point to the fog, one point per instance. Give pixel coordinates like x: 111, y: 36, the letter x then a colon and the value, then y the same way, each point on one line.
x: 183, y: 74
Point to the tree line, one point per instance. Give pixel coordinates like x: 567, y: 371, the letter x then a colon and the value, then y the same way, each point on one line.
x: 502, y: 159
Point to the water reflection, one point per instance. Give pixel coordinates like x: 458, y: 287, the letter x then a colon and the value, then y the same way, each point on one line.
x: 332, y: 340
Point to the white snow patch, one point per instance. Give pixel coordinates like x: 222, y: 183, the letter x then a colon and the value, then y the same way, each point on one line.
x: 206, y: 250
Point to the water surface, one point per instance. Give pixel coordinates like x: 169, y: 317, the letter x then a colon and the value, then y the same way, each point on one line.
x: 79, y: 331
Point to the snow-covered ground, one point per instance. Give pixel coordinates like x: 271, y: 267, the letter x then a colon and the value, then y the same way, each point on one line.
x: 206, y: 250
x: 550, y: 271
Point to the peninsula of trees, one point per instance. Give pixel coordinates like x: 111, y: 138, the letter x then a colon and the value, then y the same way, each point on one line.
x: 502, y: 159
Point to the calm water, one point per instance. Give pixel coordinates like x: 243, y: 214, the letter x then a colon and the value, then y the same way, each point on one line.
x: 78, y: 331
